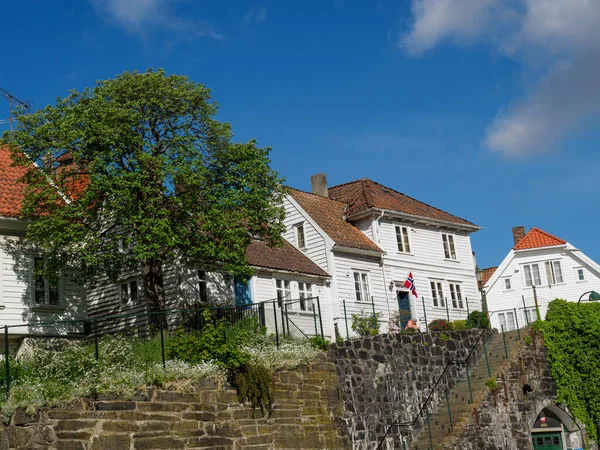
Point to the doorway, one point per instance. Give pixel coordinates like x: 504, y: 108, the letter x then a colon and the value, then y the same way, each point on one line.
x: 403, y: 308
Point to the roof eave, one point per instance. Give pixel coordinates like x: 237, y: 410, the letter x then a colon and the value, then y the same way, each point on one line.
x: 540, y: 248
x: 416, y: 219
x: 12, y: 224
x: 358, y: 251
x: 291, y: 272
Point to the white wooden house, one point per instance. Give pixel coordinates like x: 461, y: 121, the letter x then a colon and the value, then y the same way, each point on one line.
x: 25, y: 298
x: 539, y: 261
x: 370, y: 237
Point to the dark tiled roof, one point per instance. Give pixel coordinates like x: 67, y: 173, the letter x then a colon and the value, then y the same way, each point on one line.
x: 329, y: 215
x: 288, y: 258
x: 537, y: 238
x: 11, y: 191
x: 363, y: 194
x: 487, y: 274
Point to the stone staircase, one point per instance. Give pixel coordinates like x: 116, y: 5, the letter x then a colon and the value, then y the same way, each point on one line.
x: 444, y: 427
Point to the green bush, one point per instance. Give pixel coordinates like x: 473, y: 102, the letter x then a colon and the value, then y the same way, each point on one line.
x: 365, y: 326
x: 440, y: 325
x: 478, y: 319
x: 459, y: 325
x: 444, y: 337
x: 528, y: 340
x: 254, y: 384
x: 319, y: 343
x: 492, y: 384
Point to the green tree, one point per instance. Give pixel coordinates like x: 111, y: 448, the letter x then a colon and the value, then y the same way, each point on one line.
x: 136, y: 172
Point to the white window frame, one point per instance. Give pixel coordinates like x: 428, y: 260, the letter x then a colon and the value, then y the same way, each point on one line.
x: 362, y: 286
x: 437, y: 293
x: 300, y: 235
x: 553, y: 275
x: 503, y: 319
x: 456, y: 296
x: 577, y: 271
x: 528, y: 269
x: 305, y: 294
x: 449, y: 246
x: 47, y: 288
x: 402, y: 239
x: 283, y: 291
x: 507, y: 284
x: 125, y: 292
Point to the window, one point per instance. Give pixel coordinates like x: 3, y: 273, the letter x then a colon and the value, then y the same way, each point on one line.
x: 202, y: 291
x: 45, y: 291
x: 449, y: 250
x: 507, y: 321
x: 507, y: 285
x: 402, y: 239
x: 530, y: 315
x: 361, y: 286
x: 553, y: 272
x: 437, y: 294
x: 580, y: 274
x: 532, y: 275
x: 300, y: 240
x: 283, y: 291
x: 305, y: 294
x: 129, y: 292
x: 456, y: 296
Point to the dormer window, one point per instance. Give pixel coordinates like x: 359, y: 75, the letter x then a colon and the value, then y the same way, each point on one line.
x: 300, y: 239
x: 402, y: 239
x: 449, y: 249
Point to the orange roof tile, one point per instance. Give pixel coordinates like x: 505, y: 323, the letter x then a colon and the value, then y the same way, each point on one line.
x: 363, y: 194
x: 487, y: 274
x: 329, y: 215
x: 287, y: 257
x: 11, y: 191
x: 537, y: 238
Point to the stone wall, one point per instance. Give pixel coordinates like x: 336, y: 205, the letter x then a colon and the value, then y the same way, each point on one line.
x: 385, y: 379
x: 306, y: 404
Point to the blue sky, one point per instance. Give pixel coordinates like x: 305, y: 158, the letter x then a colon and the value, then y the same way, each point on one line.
x: 484, y: 108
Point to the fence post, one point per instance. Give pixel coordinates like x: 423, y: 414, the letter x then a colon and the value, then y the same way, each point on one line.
x: 287, y: 320
x: 429, y: 429
x: 315, y: 318
x: 374, y: 316
x: 504, y: 339
x: 261, y: 314
x: 96, y: 349
x: 425, y: 314
x: 162, y: 346
x: 525, y: 310
x: 282, y: 320
x: 346, y: 319
x: 449, y: 410
x: 447, y: 310
x: 487, y: 361
x: 469, y: 382
x: 468, y: 311
x: 517, y: 322
x: 6, y: 359
x: 275, y: 318
x: 320, y: 317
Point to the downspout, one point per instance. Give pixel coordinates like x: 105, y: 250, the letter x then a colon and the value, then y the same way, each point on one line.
x: 385, y: 285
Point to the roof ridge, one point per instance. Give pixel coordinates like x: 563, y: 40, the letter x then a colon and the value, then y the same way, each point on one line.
x: 364, y: 192
x: 317, y: 195
x: 546, y: 233
x: 347, y: 183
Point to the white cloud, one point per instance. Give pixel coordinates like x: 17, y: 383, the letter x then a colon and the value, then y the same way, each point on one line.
x: 255, y: 15
x: 560, y: 39
x: 143, y: 17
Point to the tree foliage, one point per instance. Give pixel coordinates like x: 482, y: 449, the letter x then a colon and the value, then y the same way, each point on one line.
x: 136, y: 172
x: 571, y: 334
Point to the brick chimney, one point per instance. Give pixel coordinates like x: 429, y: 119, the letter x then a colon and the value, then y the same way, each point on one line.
x: 518, y: 234
x: 318, y: 184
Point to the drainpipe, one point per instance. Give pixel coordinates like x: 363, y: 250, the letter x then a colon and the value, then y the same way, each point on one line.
x: 385, y: 285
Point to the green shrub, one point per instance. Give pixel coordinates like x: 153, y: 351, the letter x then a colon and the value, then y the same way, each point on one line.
x: 444, y: 337
x: 365, y: 325
x: 459, y: 325
x: 410, y: 331
x: 528, y: 340
x: 254, y: 384
x: 492, y: 384
x: 478, y: 319
x: 440, y: 325
x: 319, y: 343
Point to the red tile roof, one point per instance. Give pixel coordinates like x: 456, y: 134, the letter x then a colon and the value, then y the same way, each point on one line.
x: 329, y: 215
x: 11, y: 191
x: 487, y: 274
x: 363, y: 194
x: 537, y: 238
x: 288, y: 258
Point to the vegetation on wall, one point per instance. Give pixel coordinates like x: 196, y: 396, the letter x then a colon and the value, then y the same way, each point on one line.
x: 366, y: 324
x: 571, y: 333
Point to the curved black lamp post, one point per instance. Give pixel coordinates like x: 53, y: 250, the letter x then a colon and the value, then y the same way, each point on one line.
x: 594, y: 296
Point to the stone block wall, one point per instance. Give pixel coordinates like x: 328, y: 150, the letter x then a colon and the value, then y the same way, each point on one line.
x: 304, y: 417
x: 385, y: 379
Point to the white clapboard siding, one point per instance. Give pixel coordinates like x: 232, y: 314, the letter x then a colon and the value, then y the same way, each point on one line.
x: 499, y: 298
x: 16, y: 291
x: 315, y: 243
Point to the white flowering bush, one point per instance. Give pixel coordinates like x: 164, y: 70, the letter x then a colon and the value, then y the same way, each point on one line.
x: 289, y: 354
x: 394, y: 322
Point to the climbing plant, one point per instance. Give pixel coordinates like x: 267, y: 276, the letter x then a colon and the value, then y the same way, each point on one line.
x: 571, y: 333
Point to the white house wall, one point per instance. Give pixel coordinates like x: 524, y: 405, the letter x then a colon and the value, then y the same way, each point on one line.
x: 499, y: 298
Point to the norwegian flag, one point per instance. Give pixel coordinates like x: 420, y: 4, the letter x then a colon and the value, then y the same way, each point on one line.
x: 410, y: 284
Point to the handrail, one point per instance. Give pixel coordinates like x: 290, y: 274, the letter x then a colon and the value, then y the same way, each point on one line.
x: 425, y: 404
